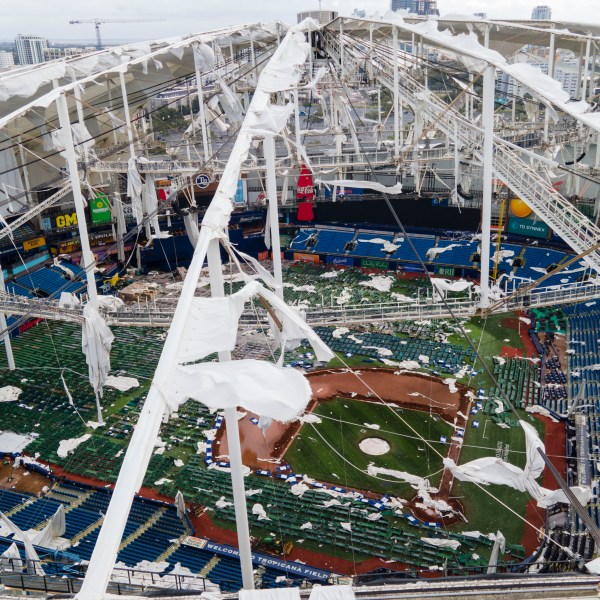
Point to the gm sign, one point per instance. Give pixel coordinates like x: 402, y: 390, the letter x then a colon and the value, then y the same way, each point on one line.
x: 63, y: 221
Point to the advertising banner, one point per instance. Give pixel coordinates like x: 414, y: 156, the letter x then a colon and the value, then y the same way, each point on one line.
x: 373, y: 263
x: 66, y: 220
x: 523, y: 221
x: 313, y: 258
x: 346, y: 261
x: 34, y: 243
x: 100, y: 209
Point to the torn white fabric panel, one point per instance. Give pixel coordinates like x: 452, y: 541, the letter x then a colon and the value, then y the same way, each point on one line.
x: 374, y: 471
x: 33, y: 560
x: 369, y: 185
x: 115, y: 122
x: 593, y: 566
x: 110, y: 302
x: 257, y: 386
x: 331, y: 592
x: 68, y: 272
x: 442, y: 542
x: 582, y: 493
x: 260, y: 512
x: 190, y: 220
x: 204, y: 57
x: 491, y: 470
x: 10, y: 393
x: 433, y: 253
x: 68, y: 300
x: 442, y: 286
x: 134, y: 190
x: 212, y: 324
x: 96, y: 342
x: 10, y: 559
x: 262, y: 272
x: 82, y: 139
x: 65, y: 447
x: 150, y: 203
x: 291, y: 593
x: 295, y: 329
x: 281, y: 73
x: 180, y: 504
x: 121, y: 382
x: 54, y: 529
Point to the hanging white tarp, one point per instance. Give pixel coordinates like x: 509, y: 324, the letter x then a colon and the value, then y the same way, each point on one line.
x: 33, y: 560
x: 497, y: 471
x: 180, y: 505
x: 281, y: 73
x: 291, y: 593
x: 369, y: 185
x: 134, y: 190
x: 294, y: 328
x: 10, y: 559
x: 442, y: 542
x: 150, y: 204
x: 332, y: 592
x: 441, y: 287
x: 212, y: 324
x: 54, y: 529
x: 257, y: 386
x: 10, y: 178
x: 96, y: 342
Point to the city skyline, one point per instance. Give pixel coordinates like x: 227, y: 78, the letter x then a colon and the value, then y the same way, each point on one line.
x: 52, y: 21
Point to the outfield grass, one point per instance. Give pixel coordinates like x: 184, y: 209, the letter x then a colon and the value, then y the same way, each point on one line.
x: 343, y: 462
x: 483, y: 511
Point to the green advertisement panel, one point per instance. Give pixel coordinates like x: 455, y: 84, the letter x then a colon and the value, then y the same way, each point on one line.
x: 527, y: 227
x: 100, y: 209
x: 370, y: 263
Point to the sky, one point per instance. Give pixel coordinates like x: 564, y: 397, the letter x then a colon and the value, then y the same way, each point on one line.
x: 51, y: 18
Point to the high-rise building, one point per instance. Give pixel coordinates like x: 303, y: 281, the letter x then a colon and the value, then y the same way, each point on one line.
x: 420, y: 7
x: 541, y: 13
x: 6, y: 60
x: 30, y: 49
x: 427, y: 7
x: 409, y: 5
x: 480, y: 15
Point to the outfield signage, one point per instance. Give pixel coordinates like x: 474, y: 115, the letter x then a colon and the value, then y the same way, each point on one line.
x: 34, y: 243
x: 313, y: 258
x: 345, y: 261
x: 447, y: 271
x: 100, y: 209
x: 66, y: 220
x: 373, y: 263
x: 412, y: 268
x: 527, y: 227
x: 261, y: 559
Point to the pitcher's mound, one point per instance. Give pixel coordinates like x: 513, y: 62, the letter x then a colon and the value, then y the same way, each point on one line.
x: 374, y: 446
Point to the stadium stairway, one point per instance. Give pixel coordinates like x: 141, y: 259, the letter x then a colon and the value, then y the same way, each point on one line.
x: 208, y: 567
x: 142, y: 528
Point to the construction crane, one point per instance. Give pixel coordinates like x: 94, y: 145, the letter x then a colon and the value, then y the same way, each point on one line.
x: 98, y: 22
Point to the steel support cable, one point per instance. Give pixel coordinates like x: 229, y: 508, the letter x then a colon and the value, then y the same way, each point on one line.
x: 581, y: 511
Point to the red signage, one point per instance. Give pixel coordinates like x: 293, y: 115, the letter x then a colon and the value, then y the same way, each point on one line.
x: 29, y: 324
x: 305, y: 189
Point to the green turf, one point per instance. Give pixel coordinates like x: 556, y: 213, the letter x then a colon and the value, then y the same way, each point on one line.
x: 344, y: 430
